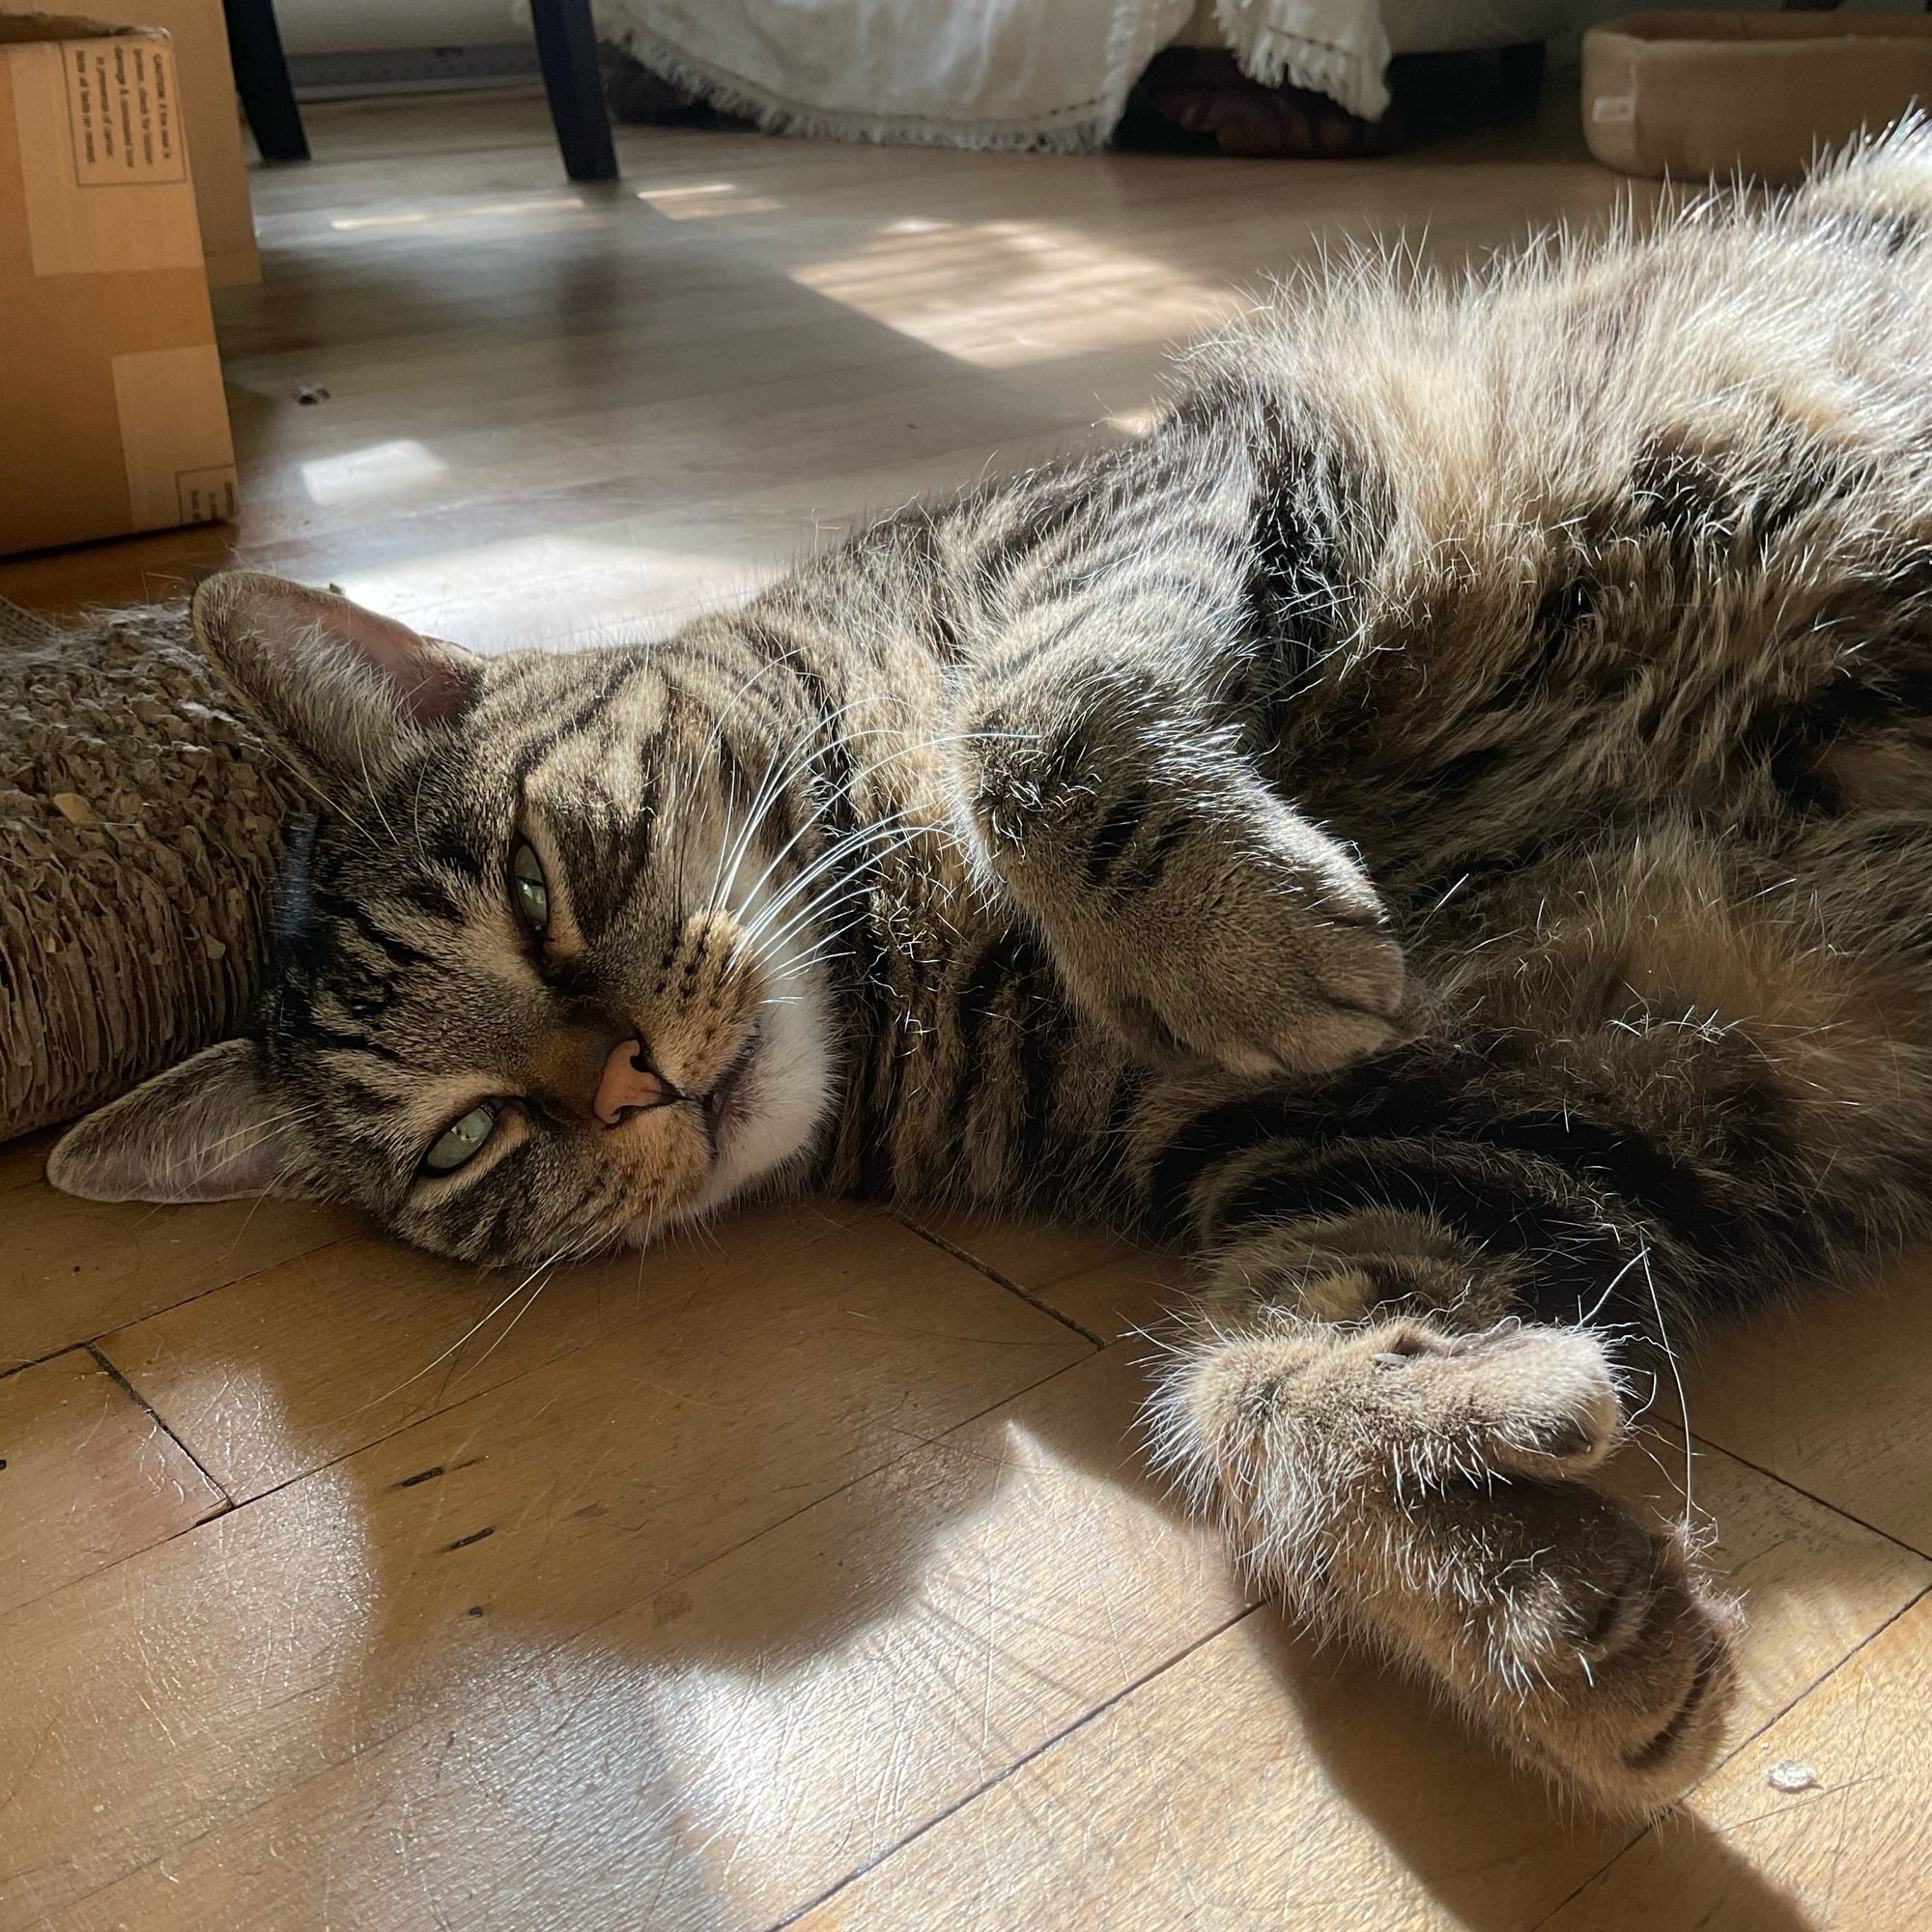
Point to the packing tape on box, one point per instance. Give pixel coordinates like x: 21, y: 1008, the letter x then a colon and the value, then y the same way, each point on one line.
x: 174, y: 437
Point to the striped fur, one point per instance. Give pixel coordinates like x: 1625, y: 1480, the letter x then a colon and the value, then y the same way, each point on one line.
x: 1441, y: 827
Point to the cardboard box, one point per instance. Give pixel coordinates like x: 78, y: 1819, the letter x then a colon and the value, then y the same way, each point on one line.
x: 112, y: 417
x: 1694, y: 94
x: 200, y: 38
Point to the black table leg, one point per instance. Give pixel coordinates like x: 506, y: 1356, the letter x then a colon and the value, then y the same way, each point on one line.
x: 262, y: 79
x: 567, y: 48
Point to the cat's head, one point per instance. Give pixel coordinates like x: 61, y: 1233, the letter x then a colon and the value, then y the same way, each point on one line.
x: 546, y: 977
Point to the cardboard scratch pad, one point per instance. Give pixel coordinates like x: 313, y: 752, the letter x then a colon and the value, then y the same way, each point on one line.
x: 143, y: 821
x: 111, y: 406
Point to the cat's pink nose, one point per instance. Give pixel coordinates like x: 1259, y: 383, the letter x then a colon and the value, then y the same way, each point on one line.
x: 628, y: 1084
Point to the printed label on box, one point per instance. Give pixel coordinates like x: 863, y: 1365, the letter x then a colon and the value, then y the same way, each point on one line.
x: 207, y: 496
x: 122, y: 112
x: 102, y: 162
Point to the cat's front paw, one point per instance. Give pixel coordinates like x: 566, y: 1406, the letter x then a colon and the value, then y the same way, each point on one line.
x: 1275, y: 978
x: 1226, y: 932
x: 1415, y: 1487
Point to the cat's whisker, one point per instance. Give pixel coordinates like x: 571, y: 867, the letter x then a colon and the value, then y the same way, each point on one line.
x: 777, y: 776
x: 787, y: 763
x: 763, y: 940
x: 835, y: 860
x: 765, y: 948
x: 812, y: 819
x: 529, y: 1302
x: 1683, y: 1401
x: 714, y: 741
x: 778, y: 772
x: 834, y: 856
x: 1585, y: 1320
x: 722, y: 891
x: 430, y: 1366
x: 827, y: 947
x: 889, y: 826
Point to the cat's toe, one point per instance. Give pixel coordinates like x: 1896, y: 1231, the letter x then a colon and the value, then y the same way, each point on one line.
x: 1416, y: 1486
x: 1551, y: 1398
x: 1511, y: 1400
x: 1311, y: 999
x: 1613, y: 1671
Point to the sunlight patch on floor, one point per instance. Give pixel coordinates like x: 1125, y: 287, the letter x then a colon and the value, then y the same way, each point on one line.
x: 705, y: 199
x: 957, y: 1656
x: 417, y: 217
x: 556, y: 592
x: 1003, y: 294
x: 380, y: 470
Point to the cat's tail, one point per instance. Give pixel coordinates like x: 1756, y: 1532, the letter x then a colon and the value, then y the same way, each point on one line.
x: 1881, y: 183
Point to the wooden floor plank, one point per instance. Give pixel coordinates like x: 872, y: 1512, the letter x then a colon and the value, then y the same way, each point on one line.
x: 300, y: 1365
x: 735, y: 1745
x: 1819, y: 1826
x: 87, y: 1476
x: 1813, y: 1585
x: 537, y: 350
x: 1257, y: 1783
x: 72, y: 1269
x: 1108, y: 1284
x: 1830, y: 1394
x: 202, y: 1677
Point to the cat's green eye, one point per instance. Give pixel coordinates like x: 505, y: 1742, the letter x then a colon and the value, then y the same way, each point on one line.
x: 460, y: 1139
x: 531, y: 888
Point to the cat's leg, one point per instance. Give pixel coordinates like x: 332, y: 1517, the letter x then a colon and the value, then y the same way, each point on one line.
x: 1686, y: 1079
x: 1183, y: 902
x: 1402, y: 1458
x: 1105, y: 780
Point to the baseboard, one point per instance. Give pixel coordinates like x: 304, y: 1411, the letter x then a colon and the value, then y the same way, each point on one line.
x: 411, y: 71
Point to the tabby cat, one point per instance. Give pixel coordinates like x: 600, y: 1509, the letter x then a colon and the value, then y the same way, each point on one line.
x: 1441, y: 827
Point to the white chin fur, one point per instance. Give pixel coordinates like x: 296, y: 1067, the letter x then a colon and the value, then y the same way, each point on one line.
x: 781, y: 1100
x: 785, y: 1094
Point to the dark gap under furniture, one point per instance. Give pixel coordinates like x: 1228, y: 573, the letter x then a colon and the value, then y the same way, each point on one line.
x: 567, y: 51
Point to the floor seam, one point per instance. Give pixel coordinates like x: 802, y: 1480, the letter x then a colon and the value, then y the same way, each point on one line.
x: 1743, y: 1745
x: 1026, y: 1758
x: 562, y: 1642
x: 168, y: 1307
x: 1811, y: 1495
x: 161, y: 1423
x: 1029, y: 1295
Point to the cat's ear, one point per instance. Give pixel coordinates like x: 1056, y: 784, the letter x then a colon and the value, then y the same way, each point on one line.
x: 205, y: 1130
x: 344, y: 692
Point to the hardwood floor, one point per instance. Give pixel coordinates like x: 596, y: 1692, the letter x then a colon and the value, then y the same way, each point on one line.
x: 807, y: 1574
